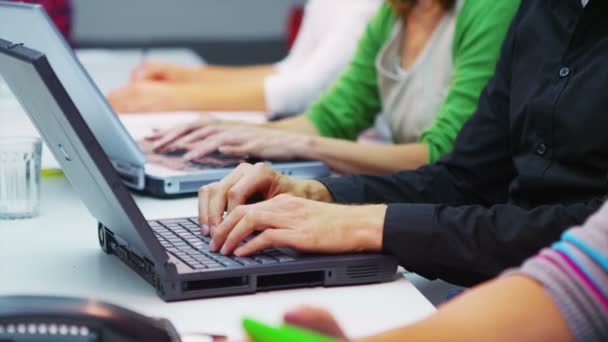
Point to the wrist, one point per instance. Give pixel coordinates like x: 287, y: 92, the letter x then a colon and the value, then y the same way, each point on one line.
x: 369, y: 227
x: 312, y: 190
x: 302, y: 146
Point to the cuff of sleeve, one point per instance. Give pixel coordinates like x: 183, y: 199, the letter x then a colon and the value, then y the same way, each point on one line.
x: 436, y: 151
x: 273, y: 94
x: 315, y: 117
x: 345, y: 189
x: 408, y: 235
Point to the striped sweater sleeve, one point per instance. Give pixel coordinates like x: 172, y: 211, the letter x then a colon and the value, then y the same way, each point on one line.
x: 574, y: 272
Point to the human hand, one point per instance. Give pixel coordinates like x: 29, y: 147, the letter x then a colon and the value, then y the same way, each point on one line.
x: 315, y: 319
x: 149, y: 97
x: 166, y: 72
x: 245, y: 140
x: 246, y: 184
x: 300, y: 224
x: 292, y: 214
x: 176, y: 137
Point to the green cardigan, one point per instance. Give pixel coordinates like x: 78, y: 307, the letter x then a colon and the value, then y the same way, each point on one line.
x: 352, y: 103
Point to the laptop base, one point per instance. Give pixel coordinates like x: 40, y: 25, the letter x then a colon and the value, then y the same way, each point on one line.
x: 175, y: 281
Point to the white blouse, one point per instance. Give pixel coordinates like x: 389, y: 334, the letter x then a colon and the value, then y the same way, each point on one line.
x: 411, y: 98
x: 325, y: 44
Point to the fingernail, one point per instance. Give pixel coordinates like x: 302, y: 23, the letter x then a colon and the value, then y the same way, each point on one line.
x: 224, y: 250
x: 205, y: 229
x: 238, y: 251
x: 213, y: 246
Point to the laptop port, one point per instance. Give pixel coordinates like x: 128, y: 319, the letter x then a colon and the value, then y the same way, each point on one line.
x: 137, y: 261
x: 289, y: 280
x: 210, y: 284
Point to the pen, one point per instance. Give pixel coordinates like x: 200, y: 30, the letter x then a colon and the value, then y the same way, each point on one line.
x: 259, y: 332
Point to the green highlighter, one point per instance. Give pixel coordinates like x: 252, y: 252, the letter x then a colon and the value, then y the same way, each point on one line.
x: 259, y: 332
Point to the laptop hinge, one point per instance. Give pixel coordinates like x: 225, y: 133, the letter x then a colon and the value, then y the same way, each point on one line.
x: 133, y: 176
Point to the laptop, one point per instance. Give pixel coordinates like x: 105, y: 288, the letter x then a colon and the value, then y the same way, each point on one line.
x: 170, y: 254
x: 140, y: 169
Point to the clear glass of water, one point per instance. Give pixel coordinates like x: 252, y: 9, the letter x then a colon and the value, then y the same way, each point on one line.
x: 19, y: 177
x: 3, y: 89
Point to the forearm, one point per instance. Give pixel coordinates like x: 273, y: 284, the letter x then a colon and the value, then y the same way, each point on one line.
x: 432, y: 228
x: 473, y: 243
x: 226, y: 74
x: 235, y: 96
x: 349, y: 157
x: 297, y: 124
x: 513, y: 308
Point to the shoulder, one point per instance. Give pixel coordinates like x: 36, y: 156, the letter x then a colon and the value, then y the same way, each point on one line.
x: 384, y: 19
x: 379, y: 28
x: 476, y: 12
x: 493, y: 7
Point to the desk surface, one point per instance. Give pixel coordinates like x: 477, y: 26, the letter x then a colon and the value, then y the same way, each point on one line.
x: 58, y: 254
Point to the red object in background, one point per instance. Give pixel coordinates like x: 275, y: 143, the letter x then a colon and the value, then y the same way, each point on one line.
x: 60, y: 11
x: 294, y: 22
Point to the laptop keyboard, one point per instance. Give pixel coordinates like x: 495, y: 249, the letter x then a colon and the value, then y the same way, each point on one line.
x: 182, y: 238
x: 213, y: 160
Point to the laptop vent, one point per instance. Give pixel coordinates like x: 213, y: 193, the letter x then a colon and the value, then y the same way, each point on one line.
x: 365, y: 271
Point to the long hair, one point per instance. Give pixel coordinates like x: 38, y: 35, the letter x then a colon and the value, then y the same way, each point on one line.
x: 403, y: 7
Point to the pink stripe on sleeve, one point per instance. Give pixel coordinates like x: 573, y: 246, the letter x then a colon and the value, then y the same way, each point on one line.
x: 580, y: 274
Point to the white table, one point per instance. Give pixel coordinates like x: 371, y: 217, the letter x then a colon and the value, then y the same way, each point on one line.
x: 58, y: 254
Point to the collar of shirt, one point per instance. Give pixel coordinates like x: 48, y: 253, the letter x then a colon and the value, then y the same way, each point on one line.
x: 584, y: 2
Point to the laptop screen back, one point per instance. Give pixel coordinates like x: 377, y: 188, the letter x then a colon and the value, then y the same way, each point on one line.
x: 30, y: 25
x: 59, y: 122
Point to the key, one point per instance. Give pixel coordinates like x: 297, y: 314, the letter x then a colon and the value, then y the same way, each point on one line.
x: 246, y: 261
x: 265, y: 260
x: 284, y: 258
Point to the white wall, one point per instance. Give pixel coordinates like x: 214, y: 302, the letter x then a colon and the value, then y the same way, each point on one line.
x: 182, y: 20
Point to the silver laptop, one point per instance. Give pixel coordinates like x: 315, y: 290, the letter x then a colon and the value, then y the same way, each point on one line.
x: 159, y: 175
x: 170, y: 254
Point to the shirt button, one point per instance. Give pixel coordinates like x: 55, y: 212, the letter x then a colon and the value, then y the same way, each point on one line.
x: 564, y: 72
x: 541, y: 149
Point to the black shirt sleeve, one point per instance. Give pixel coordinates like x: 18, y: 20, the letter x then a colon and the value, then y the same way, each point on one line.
x: 454, y: 220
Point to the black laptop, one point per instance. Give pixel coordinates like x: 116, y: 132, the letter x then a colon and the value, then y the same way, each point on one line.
x: 169, y: 254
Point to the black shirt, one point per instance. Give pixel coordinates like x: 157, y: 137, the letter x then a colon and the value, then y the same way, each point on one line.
x: 531, y: 162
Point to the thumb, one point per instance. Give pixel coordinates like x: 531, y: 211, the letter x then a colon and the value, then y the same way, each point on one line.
x: 315, y: 319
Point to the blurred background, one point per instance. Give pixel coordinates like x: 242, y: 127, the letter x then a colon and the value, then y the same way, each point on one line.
x: 224, y: 31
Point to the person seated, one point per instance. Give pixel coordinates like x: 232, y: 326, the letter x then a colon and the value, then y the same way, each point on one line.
x: 420, y: 67
x: 325, y: 43
x: 529, y: 164
x: 561, y: 294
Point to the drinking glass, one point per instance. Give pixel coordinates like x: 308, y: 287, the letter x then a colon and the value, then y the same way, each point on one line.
x: 5, y: 92
x: 19, y: 177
